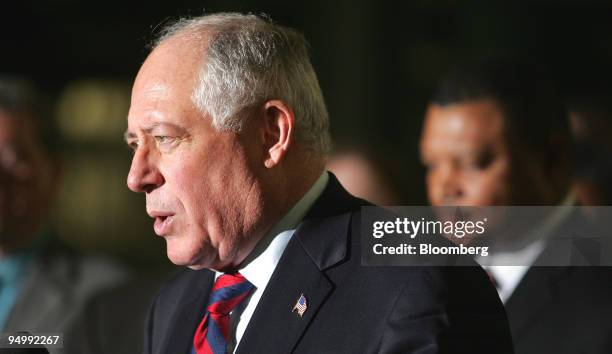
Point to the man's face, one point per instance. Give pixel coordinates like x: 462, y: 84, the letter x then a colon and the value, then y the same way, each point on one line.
x: 466, y: 154
x: 200, y: 184
x: 26, y: 181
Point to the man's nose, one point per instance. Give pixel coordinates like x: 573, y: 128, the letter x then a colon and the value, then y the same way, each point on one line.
x: 144, y: 176
x: 452, y: 192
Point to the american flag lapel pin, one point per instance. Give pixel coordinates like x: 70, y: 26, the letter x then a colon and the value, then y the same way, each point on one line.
x: 300, y: 306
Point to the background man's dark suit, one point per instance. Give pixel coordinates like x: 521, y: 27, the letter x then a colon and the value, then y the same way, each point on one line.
x: 351, y: 309
x: 563, y: 310
x: 548, y: 299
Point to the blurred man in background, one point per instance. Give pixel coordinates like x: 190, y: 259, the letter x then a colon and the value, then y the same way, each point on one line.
x: 496, y: 133
x: 43, y: 284
x: 591, y: 127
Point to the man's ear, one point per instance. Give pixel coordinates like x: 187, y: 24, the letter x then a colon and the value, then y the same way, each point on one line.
x: 278, y: 127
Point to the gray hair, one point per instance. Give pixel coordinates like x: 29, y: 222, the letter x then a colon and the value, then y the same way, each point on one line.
x: 250, y: 60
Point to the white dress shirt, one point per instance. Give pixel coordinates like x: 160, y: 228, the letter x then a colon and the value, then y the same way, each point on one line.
x: 507, y: 277
x: 262, y: 262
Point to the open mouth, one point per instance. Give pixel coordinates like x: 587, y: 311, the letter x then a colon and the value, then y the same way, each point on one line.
x: 162, y: 224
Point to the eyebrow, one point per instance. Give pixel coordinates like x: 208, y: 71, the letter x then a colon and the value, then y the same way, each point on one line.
x: 128, y: 135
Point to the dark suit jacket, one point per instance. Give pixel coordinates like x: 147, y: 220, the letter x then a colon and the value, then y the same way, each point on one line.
x: 351, y: 308
x: 563, y: 310
x: 56, y: 287
x: 112, y: 321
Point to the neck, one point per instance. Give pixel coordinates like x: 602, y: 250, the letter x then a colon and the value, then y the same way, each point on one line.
x: 282, y: 194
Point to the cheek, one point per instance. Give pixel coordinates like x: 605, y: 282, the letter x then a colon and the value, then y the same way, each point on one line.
x: 26, y: 198
x: 196, y: 192
x: 212, y: 198
x: 434, y: 187
x: 489, y: 187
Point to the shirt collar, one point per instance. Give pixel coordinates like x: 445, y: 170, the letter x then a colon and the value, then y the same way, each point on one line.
x: 12, y: 267
x: 560, y: 214
x: 260, y: 264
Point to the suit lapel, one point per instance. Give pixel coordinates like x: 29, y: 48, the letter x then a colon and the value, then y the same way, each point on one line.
x: 320, y: 242
x: 534, y: 293
x: 191, y: 307
x: 540, y: 285
x: 273, y: 317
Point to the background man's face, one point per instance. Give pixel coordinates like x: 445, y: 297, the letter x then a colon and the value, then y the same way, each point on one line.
x: 466, y: 155
x: 25, y: 180
x: 199, y: 183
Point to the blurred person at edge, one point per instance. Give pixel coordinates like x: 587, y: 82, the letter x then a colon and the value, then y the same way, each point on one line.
x: 590, y: 116
x: 230, y: 136
x: 496, y: 133
x: 366, y: 174
x: 43, y: 283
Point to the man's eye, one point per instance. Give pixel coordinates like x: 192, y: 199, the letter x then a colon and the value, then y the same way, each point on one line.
x: 133, y: 145
x: 163, y: 139
x: 481, y: 161
x: 429, y: 166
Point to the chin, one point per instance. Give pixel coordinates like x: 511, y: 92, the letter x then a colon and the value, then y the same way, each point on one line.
x: 183, y: 255
x: 194, y: 262
x: 196, y: 267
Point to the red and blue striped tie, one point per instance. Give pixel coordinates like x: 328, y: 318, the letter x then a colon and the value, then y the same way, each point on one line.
x: 213, y: 333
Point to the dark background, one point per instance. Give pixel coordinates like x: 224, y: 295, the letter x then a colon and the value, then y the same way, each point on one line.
x: 377, y: 63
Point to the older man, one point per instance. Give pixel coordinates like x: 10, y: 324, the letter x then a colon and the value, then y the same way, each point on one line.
x: 230, y: 134
x: 495, y: 133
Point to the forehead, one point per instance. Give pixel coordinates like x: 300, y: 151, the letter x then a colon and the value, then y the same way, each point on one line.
x: 463, y: 124
x: 174, y: 62
x: 162, y: 89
